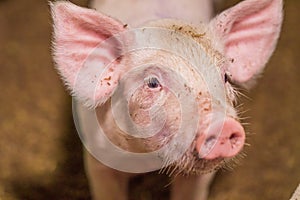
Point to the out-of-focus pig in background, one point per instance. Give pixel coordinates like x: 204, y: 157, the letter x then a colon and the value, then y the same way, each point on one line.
x: 41, y: 158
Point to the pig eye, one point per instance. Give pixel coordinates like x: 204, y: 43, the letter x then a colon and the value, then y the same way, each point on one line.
x: 226, y: 78
x: 152, y: 82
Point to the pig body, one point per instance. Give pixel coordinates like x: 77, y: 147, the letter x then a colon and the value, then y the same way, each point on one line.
x: 136, y: 13
x: 188, y: 70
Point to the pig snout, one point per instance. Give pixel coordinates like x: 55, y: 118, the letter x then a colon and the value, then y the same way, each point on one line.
x: 223, y: 139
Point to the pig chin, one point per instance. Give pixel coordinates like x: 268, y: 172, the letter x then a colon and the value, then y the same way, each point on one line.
x: 191, y: 164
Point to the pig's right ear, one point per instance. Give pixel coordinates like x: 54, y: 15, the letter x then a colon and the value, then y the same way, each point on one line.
x: 87, y: 63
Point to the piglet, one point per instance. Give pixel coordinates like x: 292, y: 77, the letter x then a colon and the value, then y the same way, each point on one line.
x: 154, y: 91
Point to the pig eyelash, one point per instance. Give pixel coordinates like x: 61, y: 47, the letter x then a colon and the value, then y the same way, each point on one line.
x: 152, y: 82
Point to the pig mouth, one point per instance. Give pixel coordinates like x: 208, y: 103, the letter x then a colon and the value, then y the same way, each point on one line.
x: 195, y: 167
x: 190, y: 164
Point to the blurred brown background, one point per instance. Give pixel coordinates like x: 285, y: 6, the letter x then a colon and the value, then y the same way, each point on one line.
x: 40, y: 152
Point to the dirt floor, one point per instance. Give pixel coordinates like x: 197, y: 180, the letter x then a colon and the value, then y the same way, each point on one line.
x: 40, y: 152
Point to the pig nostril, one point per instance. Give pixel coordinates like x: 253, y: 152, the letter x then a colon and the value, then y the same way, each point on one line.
x: 233, y: 136
x: 234, y: 139
x: 209, y: 142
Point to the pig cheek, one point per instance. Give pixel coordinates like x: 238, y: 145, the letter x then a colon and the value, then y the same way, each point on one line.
x: 139, y: 108
x: 172, y: 124
x: 140, y: 104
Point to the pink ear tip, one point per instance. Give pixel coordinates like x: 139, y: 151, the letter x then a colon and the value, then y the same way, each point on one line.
x: 58, y: 7
x: 57, y: 4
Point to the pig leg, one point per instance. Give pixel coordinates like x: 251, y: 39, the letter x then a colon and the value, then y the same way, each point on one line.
x: 105, y: 183
x: 192, y: 187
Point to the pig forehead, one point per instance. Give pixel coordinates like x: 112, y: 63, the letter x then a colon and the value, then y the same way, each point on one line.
x: 191, y: 43
x: 181, y: 52
x: 166, y: 65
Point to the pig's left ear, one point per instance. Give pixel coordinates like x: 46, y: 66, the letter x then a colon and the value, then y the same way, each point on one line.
x: 87, y: 63
x: 249, y: 32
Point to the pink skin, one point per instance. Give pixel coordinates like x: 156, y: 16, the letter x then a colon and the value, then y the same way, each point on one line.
x: 249, y: 37
x: 243, y: 37
x: 227, y: 138
x: 128, y: 10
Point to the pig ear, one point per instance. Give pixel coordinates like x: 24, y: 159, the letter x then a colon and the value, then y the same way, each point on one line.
x: 87, y: 63
x: 249, y: 32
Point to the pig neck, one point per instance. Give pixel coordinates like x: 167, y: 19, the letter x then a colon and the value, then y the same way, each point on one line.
x: 137, y: 12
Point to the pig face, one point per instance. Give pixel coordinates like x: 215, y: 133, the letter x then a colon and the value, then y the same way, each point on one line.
x: 167, y: 83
